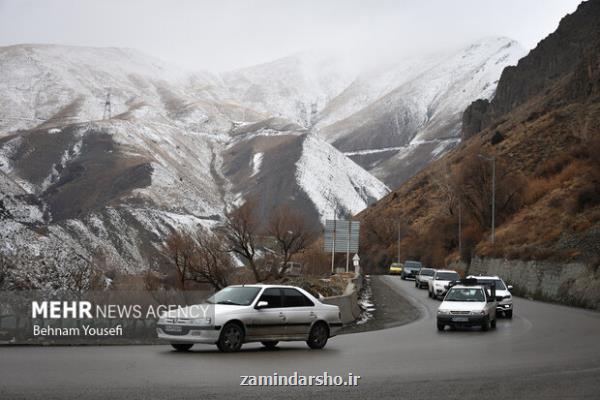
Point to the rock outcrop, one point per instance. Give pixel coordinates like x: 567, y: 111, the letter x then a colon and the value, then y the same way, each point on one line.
x: 553, y: 59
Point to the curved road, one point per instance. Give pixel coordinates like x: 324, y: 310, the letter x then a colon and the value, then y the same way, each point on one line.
x: 545, y: 352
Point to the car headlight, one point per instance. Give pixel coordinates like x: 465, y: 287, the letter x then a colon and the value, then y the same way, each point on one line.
x: 202, y: 321
x: 482, y: 312
x: 443, y: 312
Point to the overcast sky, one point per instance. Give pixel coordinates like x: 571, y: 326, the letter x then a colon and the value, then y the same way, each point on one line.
x: 226, y: 34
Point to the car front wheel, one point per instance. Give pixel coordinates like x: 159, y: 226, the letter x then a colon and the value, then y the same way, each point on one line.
x: 231, y: 338
x: 485, y: 325
x: 182, y: 346
x: 317, y: 339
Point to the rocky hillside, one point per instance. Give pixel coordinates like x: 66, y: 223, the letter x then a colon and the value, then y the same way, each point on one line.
x: 543, y: 129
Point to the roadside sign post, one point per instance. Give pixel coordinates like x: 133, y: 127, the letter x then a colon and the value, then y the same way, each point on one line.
x: 341, y: 236
x: 333, y: 248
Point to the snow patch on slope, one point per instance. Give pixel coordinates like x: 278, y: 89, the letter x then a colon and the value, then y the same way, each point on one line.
x: 331, y: 180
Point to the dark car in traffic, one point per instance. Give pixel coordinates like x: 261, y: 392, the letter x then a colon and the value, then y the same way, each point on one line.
x: 411, y: 269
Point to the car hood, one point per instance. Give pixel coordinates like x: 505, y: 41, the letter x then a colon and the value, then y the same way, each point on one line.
x: 203, y: 310
x: 442, y: 283
x: 462, y: 306
x: 502, y: 293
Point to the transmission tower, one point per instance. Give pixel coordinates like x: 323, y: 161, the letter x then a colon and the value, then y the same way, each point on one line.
x: 107, y: 109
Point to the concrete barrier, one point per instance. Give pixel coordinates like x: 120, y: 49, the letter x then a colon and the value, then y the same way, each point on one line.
x: 347, y: 302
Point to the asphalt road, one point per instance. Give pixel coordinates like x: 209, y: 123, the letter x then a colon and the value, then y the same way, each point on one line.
x: 545, y: 352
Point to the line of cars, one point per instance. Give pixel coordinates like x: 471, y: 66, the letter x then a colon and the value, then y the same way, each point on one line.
x: 472, y: 301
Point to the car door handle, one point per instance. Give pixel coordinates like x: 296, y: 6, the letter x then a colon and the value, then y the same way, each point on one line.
x: 312, y: 315
x: 282, y: 316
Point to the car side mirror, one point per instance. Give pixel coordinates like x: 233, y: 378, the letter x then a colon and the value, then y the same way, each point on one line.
x: 510, y: 287
x: 261, y: 304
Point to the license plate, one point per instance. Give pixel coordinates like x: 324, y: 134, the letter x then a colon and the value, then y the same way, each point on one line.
x: 172, y: 328
x: 460, y: 319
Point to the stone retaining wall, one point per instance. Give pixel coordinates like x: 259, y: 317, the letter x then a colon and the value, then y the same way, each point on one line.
x: 571, y: 283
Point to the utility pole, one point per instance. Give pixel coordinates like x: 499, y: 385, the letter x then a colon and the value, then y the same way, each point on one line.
x: 334, y: 238
x: 459, y: 231
x: 348, y: 247
x: 107, y: 107
x: 493, y: 161
x: 398, y: 242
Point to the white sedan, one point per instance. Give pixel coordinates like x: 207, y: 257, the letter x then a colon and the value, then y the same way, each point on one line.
x: 252, y: 313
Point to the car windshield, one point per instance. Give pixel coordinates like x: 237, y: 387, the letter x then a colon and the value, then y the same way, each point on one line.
x: 412, y: 264
x: 447, y: 276
x: 460, y: 294
x: 236, y: 296
x: 499, y: 284
x: 427, y: 272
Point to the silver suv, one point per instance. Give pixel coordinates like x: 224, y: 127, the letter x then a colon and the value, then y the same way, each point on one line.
x: 503, y: 295
x: 438, y: 285
x: 425, y: 275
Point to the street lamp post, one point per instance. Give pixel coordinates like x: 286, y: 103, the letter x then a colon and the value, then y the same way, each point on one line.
x: 459, y: 232
x: 493, y: 161
x: 398, y: 242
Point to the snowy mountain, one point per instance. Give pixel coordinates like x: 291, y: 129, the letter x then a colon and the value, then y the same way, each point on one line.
x: 177, y: 152
x: 295, y: 87
x: 395, y: 121
x: 181, y: 148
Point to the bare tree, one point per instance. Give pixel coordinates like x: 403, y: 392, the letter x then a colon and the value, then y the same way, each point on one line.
x: 180, y: 248
x: 446, y: 184
x: 211, y: 262
x: 291, y: 234
x: 241, y: 234
x: 197, y: 257
x: 3, y: 269
x: 473, y: 183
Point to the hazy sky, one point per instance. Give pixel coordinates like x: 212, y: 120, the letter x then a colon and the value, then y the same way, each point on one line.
x: 225, y: 34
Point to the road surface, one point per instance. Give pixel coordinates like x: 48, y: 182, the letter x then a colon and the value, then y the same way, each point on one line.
x: 546, y: 352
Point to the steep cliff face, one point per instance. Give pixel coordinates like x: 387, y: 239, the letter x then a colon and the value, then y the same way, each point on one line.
x: 554, y: 57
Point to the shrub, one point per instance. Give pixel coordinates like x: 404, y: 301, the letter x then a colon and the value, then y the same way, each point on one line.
x: 536, y: 189
x: 553, y: 166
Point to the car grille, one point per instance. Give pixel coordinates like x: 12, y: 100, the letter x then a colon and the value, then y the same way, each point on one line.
x: 184, y: 331
x: 459, y: 312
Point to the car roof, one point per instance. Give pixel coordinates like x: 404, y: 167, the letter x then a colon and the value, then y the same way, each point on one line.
x: 262, y: 285
x: 445, y: 270
x: 484, y: 277
x: 467, y: 287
